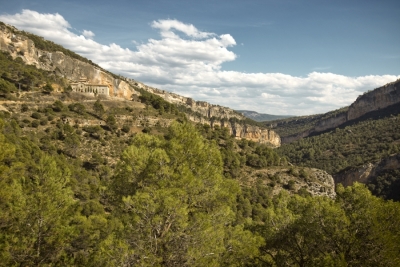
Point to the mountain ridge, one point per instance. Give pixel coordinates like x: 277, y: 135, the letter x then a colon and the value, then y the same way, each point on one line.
x: 379, y: 98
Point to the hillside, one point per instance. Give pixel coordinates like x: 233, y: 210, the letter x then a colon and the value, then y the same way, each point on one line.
x: 293, y: 129
x: 89, y: 126
x: 359, y: 150
x: 69, y: 69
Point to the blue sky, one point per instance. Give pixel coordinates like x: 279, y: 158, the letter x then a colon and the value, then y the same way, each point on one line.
x: 278, y: 57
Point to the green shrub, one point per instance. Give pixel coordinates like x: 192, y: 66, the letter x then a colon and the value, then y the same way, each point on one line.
x: 36, y: 115
x: 35, y: 123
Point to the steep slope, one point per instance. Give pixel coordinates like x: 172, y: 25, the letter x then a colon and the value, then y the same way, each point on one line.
x: 361, y: 150
x: 382, y: 177
x: 19, y: 45
x: 295, y: 128
x: 83, y: 75
x: 216, y: 116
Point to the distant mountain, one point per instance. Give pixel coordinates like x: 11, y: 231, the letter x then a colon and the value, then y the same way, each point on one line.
x: 261, y: 116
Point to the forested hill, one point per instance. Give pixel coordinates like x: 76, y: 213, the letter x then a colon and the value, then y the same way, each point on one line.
x: 362, y: 150
x: 171, y: 192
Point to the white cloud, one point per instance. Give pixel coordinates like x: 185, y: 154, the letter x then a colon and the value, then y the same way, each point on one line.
x: 88, y: 34
x: 188, y: 61
x: 166, y: 27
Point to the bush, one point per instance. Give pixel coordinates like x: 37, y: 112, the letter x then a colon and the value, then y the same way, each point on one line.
x: 146, y: 129
x: 36, y: 115
x: 6, y: 87
x: 290, y: 185
x: 126, y: 129
x: 58, y: 106
x: 48, y: 88
x: 35, y: 123
x: 92, y: 129
x: 24, y: 108
x: 77, y: 107
x: 43, y: 121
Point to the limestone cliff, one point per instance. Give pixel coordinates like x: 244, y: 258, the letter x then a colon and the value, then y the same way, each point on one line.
x: 255, y: 134
x: 198, y: 108
x: 18, y: 45
x: 73, y: 70
x: 379, y: 98
x: 367, y: 172
x: 215, y: 115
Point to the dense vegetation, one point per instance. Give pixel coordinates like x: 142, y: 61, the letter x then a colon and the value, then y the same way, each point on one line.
x: 156, y: 102
x: 351, y: 145
x: 386, y: 184
x: 369, y: 139
x: 168, y: 204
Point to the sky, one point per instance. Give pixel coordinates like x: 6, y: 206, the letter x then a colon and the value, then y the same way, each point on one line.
x: 281, y: 57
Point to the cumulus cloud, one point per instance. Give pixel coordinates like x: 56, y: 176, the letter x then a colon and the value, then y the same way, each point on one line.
x: 166, y: 27
x: 88, y: 34
x: 188, y: 61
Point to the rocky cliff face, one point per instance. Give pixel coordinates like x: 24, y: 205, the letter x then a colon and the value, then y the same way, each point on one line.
x: 72, y: 69
x: 215, y: 115
x: 255, y: 134
x: 199, y: 108
x: 379, y: 98
x: 317, y: 182
x: 367, y: 172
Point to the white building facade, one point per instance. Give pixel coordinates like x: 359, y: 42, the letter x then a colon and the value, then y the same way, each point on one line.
x: 83, y: 86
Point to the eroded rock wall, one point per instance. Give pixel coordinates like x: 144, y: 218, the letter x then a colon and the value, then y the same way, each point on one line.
x: 367, y: 172
x: 72, y: 69
x: 379, y: 98
x: 215, y: 115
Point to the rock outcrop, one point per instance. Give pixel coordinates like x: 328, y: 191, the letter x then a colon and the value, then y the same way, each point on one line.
x: 255, y: 133
x: 367, y: 172
x: 317, y: 182
x: 18, y: 45
x: 374, y: 100
x: 379, y: 98
x: 215, y: 115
